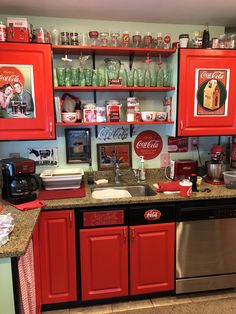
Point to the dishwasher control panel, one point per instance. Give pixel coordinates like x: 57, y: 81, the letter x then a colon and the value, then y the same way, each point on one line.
x: 207, y: 211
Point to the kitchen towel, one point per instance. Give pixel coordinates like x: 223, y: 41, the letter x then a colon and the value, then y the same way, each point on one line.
x: 167, y: 186
x: 57, y: 194
x: 27, y: 281
x: 29, y: 205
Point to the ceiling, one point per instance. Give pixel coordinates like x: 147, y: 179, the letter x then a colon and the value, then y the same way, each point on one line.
x: 217, y: 12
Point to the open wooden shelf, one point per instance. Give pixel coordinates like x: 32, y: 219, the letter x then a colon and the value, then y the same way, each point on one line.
x: 118, y: 51
x: 112, y: 123
x: 113, y: 88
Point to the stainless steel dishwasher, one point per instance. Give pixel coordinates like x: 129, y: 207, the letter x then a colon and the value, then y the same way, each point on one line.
x: 205, y: 246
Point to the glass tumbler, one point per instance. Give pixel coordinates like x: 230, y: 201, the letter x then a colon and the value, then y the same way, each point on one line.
x: 61, y: 74
x: 141, y: 77
x: 115, y: 39
x: 88, y: 76
x: 55, y: 36
x: 74, y: 77
x: 68, y: 76
x: 137, y: 40
x: 104, y: 36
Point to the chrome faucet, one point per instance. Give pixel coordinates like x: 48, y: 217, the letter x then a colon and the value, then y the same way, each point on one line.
x: 117, y: 173
x: 137, y: 174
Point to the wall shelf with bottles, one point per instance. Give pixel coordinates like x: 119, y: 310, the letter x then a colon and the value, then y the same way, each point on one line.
x: 112, y: 51
x: 118, y: 51
x: 111, y: 123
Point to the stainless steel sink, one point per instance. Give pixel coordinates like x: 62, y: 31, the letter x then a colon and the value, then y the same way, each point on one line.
x: 134, y: 190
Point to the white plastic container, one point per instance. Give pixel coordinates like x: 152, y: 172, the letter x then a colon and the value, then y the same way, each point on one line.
x: 60, y: 179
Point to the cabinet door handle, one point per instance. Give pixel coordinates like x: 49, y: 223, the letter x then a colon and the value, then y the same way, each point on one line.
x: 70, y: 219
x: 181, y: 127
x: 132, y: 234
x: 50, y: 129
x: 125, y: 234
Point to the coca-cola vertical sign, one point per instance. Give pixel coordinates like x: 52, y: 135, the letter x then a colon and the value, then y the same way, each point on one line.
x: 17, y: 97
x: 148, y: 144
x: 211, y: 92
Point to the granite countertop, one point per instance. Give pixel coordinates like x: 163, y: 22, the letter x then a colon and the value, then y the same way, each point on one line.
x: 22, y: 232
x: 25, y: 221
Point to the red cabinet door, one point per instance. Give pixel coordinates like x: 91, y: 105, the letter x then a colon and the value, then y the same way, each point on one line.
x: 207, y: 93
x: 104, y: 262
x: 31, y: 66
x: 57, y: 256
x: 152, y: 258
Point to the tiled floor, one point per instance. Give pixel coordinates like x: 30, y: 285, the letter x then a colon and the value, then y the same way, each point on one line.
x: 222, y: 302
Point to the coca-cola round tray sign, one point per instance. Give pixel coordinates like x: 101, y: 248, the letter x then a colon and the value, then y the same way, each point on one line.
x: 148, y: 144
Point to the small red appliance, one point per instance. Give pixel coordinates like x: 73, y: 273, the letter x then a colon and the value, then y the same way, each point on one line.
x: 182, y: 168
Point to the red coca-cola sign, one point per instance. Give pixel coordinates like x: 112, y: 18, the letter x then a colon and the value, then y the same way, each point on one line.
x: 148, y: 144
x: 10, y: 75
x: 152, y: 214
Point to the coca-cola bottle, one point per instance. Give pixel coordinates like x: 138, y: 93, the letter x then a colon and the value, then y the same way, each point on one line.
x: 206, y: 38
x: 78, y: 111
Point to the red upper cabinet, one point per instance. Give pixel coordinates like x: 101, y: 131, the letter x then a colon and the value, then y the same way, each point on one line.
x: 26, y: 92
x: 207, y: 93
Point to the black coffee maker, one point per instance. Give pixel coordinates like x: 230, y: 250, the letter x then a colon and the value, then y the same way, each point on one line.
x: 18, y: 180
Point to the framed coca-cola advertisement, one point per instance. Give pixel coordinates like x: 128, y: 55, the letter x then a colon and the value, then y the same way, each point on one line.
x: 110, y: 154
x: 206, y: 92
x: 17, y: 97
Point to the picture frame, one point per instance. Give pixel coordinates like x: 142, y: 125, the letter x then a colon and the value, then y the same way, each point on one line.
x: 110, y: 153
x: 78, y: 145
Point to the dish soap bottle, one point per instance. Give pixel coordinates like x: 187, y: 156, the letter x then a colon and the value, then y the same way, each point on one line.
x: 90, y: 174
x: 142, y: 169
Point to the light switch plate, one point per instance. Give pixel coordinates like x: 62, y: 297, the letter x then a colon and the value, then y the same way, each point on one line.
x: 165, y: 160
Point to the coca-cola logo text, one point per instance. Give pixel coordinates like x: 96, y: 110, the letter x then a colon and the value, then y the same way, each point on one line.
x: 9, y: 78
x: 148, y: 144
x: 10, y: 75
x: 108, y: 133
x: 218, y: 75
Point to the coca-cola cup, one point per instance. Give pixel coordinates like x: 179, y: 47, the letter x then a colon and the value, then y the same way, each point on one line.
x: 185, y: 188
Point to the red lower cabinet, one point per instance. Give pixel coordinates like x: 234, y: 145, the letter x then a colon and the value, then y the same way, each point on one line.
x: 104, y: 262
x: 152, y: 258
x: 57, y: 256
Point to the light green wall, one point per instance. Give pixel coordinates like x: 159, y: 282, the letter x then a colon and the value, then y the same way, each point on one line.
x: 6, y: 288
x: 149, y: 100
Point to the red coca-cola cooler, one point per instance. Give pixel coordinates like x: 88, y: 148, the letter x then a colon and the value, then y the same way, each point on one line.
x: 206, y: 93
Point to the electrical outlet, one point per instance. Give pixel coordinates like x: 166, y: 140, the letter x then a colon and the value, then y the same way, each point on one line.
x: 165, y: 160
x: 194, y: 142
